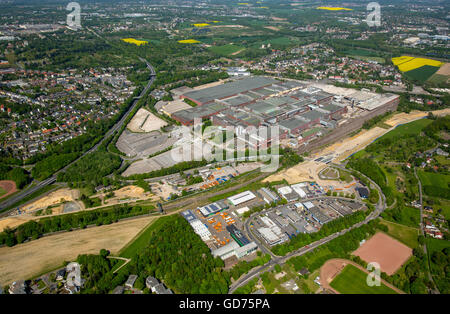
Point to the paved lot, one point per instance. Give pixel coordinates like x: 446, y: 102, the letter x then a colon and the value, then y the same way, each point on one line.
x: 143, y: 144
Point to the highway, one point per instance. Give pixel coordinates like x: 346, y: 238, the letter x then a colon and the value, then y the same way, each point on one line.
x: 18, y: 197
x: 379, y: 208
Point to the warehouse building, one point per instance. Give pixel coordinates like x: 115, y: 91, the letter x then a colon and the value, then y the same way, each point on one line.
x: 234, y: 249
x: 298, y: 189
x: 247, y: 85
x: 201, y: 230
x: 241, y: 198
x: 237, y: 235
x: 268, y: 196
x: 272, y: 234
x: 213, y: 208
x: 287, y: 193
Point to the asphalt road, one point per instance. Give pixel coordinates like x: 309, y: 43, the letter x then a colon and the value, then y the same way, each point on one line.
x: 18, y: 197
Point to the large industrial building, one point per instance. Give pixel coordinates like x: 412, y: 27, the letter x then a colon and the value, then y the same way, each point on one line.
x: 303, y: 111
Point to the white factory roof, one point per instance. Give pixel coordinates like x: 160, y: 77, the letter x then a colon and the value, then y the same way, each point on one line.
x: 376, y: 102
x: 242, y: 210
x: 233, y: 245
x: 285, y: 190
x: 297, y: 188
x: 308, y: 205
x: 268, y: 234
x: 201, y: 229
x: 245, y: 248
x: 241, y: 198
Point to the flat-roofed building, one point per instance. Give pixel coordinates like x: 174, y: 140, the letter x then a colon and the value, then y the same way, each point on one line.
x: 287, y: 193
x: 226, y: 251
x: 201, y: 230
x: 187, y: 116
x: 268, y: 196
x: 246, y: 249
x: 213, y: 208
x: 298, y: 189
x: 241, y: 198
x: 209, y: 95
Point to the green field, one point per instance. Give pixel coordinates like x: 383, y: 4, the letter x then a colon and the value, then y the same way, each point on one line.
x: 406, y: 235
x: 368, y: 58
x: 141, y: 240
x: 353, y: 281
x: 438, y: 79
x: 226, y: 50
x: 434, y: 245
x: 434, y: 179
x: 421, y: 74
x: 412, y: 128
x: 361, y: 52
x: 2, y: 192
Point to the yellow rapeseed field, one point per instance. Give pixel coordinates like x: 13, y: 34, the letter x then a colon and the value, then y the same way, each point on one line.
x: 333, y: 9
x: 188, y: 41
x: 405, y: 63
x: 201, y: 24
x: 135, y: 41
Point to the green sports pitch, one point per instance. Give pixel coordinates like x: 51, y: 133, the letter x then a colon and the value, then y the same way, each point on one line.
x: 352, y: 280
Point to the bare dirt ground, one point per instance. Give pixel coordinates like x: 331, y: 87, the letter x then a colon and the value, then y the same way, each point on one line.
x: 274, y: 28
x: 163, y: 190
x: 127, y: 192
x: 145, y: 121
x: 31, y: 259
x: 401, y: 118
x: 56, y: 197
x: 346, y: 147
x: 9, y: 187
x: 386, y: 251
x: 309, y: 171
x: 12, y: 222
x: 444, y: 70
x: 333, y: 267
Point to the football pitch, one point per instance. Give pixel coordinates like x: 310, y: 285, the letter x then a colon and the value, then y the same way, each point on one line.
x: 351, y: 280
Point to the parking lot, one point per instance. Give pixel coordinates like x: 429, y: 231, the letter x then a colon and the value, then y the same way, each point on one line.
x: 144, y: 144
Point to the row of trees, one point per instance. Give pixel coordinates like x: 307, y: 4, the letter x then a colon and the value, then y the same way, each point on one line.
x: 92, y: 168
x: 32, y: 230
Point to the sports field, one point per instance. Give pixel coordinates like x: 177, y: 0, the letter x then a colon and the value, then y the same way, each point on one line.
x: 7, y: 187
x: 389, y: 253
x: 352, y: 280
